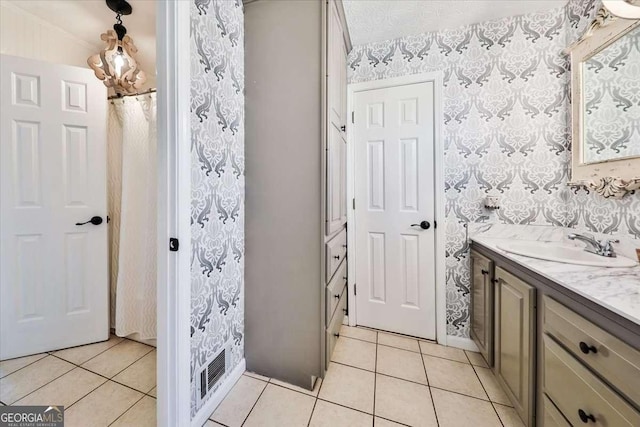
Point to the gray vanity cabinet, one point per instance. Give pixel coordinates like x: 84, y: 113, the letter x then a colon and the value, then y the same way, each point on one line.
x: 515, y: 326
x: 561, y: 359
x: 482, y: 305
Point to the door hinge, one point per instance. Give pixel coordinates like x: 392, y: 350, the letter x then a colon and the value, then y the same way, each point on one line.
x: 355, y: 290
x: 353, y: 118
x: 354, y: 204
x: 174, y: 244
x: 435, y: 224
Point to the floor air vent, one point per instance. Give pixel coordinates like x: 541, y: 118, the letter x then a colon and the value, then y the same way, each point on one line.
x: 213, y: 372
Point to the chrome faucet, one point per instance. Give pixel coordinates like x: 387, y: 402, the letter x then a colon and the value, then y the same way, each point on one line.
x: 602, y: 248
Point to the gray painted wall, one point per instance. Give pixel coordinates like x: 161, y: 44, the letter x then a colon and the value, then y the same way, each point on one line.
x: 217, y: 179
x: 506, y: 129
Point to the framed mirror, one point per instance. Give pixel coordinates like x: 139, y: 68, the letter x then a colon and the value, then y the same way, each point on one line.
x: 605, y: 86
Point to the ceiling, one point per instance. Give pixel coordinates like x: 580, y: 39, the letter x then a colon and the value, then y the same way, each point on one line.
x: 87, y: 19
x: 377, y: 20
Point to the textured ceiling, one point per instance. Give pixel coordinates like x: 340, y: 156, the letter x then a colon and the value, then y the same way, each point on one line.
x: 87, y: 19
x: 376, y: 20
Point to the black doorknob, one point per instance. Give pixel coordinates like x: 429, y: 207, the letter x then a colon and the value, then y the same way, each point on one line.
x: 425, y: 225
x: 96, y: 220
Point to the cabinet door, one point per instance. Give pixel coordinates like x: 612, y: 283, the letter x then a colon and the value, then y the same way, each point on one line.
x: 515, y: 341
x: 336, y: 68
x: 343, y: 180
x: 335, y: 181
x: 482, y: 305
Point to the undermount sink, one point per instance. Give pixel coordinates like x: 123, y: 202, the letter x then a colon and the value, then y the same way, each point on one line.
x: 564, y: 254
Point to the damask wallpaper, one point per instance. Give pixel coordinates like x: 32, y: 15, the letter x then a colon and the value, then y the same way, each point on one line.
x: 217, y: 179
x: 612, y: 100
x: 506, y: 129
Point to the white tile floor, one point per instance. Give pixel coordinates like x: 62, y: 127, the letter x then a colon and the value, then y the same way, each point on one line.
x: 108, y: 383
x: 376, y: 379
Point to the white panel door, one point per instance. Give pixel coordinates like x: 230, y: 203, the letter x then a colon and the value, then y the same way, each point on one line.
x: 394, y: 188
x: 54, y: 273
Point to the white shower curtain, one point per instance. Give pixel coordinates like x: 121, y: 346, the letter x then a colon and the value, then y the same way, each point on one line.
x: 132, y: 186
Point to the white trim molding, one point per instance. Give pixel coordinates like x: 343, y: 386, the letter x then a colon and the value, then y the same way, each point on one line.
x: 440, y: 279
x: 218, y: 396
x: 174, y: 205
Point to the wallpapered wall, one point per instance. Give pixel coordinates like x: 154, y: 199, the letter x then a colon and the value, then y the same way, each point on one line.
x: 217, y: 179
x: 506, y: 128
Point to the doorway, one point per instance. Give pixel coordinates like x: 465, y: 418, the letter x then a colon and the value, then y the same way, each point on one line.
x: 397, y: 216
x: 60, y: 160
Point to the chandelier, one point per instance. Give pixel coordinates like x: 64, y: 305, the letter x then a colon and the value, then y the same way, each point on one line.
x: 116, y: 65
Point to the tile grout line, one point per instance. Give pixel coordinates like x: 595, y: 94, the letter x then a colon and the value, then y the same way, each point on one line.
x: 414, y: 382
x: 385, y: 375
x: 412, y: 351
x: 110, y: 379
x: 375, y: 379
x: 127, y: 410
x: 43, y: 385
x: 79, y: 346
x: 485, y: 392
x: 101, y: 376
x: 433, y: 403
x: 29, y: 364
x: 75, y: 365
x: 128, y: 366
x: 254, y: 403
x: 315, y: 402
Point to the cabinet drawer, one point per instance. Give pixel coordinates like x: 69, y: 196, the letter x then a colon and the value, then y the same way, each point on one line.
x: 551, y: 416
x: 578, y: 394
x: 615, y: 361
x: 334, y: 290
x: 333, y: 330
x: 336, y: 251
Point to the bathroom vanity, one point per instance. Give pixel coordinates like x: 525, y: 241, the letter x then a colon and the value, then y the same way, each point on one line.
x: 563, y: 340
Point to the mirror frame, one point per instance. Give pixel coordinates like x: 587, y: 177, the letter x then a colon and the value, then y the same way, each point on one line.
x: 610, y: 178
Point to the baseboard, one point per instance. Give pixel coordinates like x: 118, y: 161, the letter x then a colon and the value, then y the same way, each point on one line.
x: 463, y: 343
x: 212, y: 403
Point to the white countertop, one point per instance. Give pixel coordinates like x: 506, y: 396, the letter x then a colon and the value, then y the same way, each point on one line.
x: 616, y: 289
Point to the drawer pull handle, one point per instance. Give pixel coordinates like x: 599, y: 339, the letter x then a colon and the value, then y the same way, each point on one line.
x: 495, y: 281
x: 586, y: 418
x: 336, y: 256
x: 336, y: 296
x: 485, y: 272
x: 586, y: 348
x: 344, y: 246
x: 337, y: 335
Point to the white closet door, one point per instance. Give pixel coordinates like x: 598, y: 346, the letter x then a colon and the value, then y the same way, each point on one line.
x: 54, y: 273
